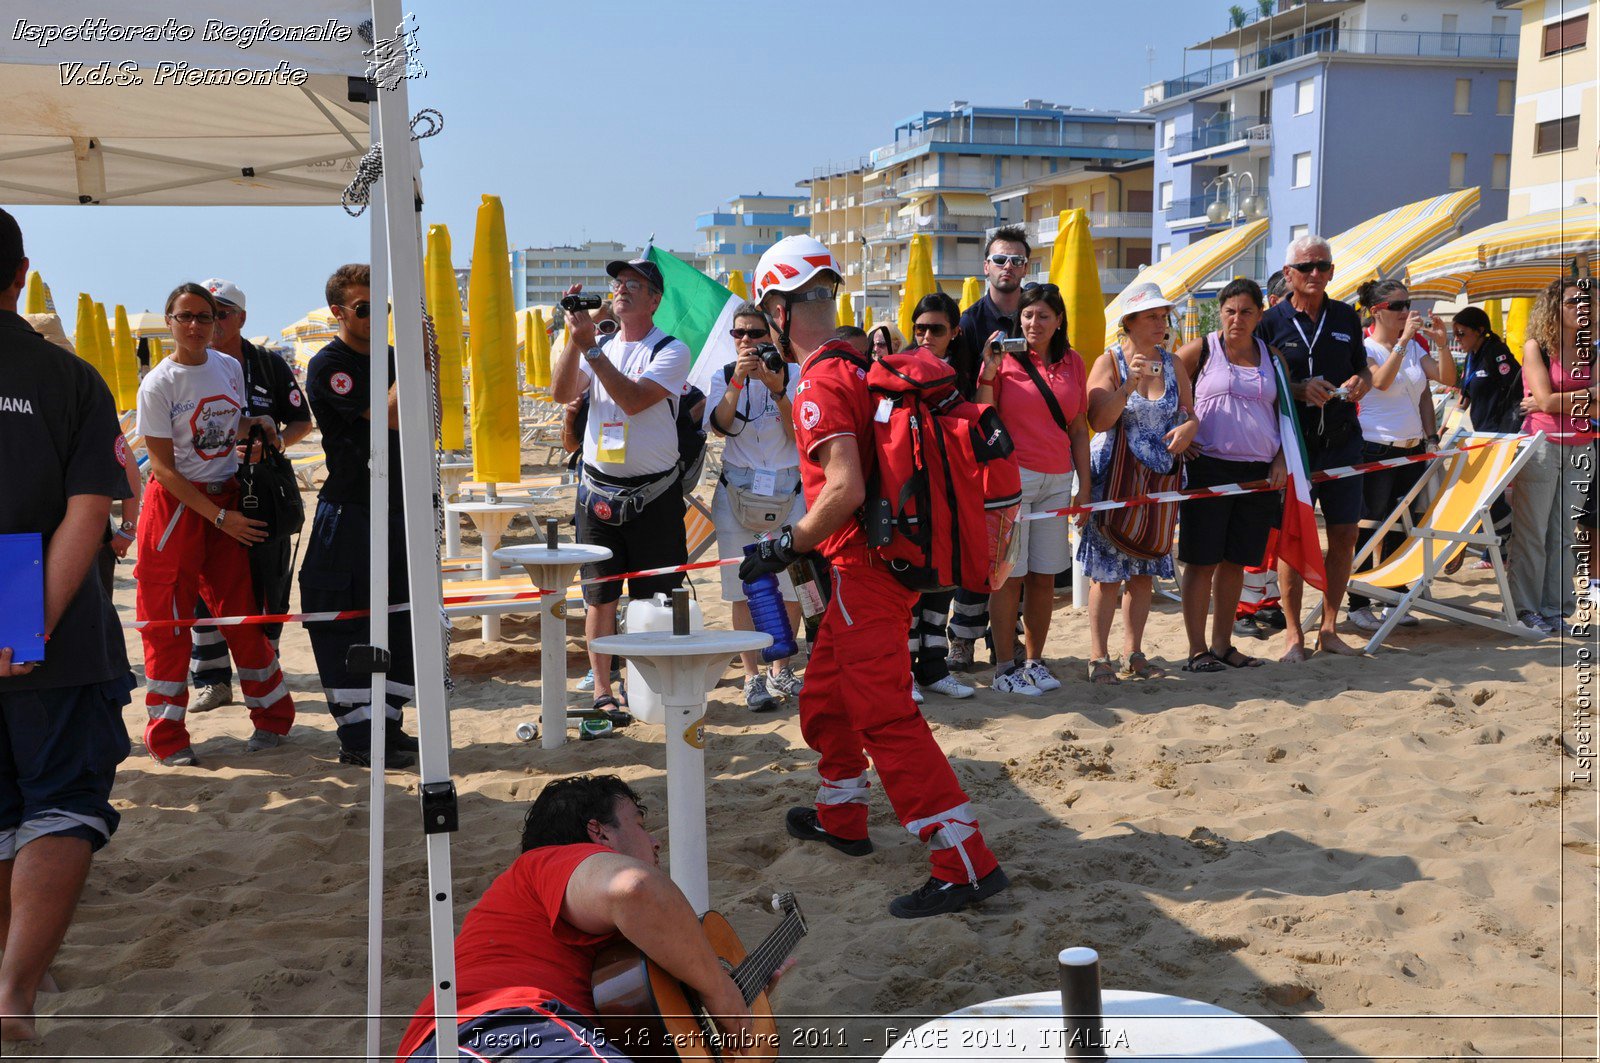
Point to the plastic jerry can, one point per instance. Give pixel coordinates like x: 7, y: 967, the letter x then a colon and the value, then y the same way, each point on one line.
x: 652, y: 614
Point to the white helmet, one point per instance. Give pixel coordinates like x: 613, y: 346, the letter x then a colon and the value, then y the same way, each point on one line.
x: 790, y: 263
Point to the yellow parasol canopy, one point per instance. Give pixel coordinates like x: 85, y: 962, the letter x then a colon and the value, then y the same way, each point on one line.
x: 736, y: 284
x: 847, y: 309
x: 36, y: 300
x: 541, y: 352
x: 866, y: 319
x: 1183, y: 271
x: 86, y: 337
x: 1073, y: 269
x: 1497, y: 318
x: 444, y: 305
x: 1380, y: 246
x: 157, y: 350
x: 1507, y: 259
x: 919, y: 281
x: 492, y: 351
x: 102, y: 342
x: 1516, y: 333
x: 971, y: 292
x: 125, y: 357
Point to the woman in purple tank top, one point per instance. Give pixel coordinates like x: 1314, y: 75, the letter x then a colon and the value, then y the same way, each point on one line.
x: 1235, y: 400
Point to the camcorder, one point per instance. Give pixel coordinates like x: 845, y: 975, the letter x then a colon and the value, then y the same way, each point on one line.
x: 581, y: 301
x: 1013, y: 346
x: 770, y: 357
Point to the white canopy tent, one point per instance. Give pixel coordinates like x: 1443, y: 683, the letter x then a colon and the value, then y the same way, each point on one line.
x: 297, y: 120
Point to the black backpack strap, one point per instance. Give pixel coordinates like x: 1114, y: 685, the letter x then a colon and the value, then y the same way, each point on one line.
x: 1044, y: 389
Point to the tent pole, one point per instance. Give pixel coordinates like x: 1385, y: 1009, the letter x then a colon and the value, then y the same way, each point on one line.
x: 378, y: 601
x: 402, y: 193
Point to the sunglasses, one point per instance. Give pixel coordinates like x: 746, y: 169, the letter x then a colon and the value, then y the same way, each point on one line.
x: 224, y: 314
x: 933, y: 328
x: 1576, y: 300
x: 1402, y: 305
x: 1316, y: 265
x: 183, y: 317
x: 362, y: 310
x: 1046, y: 287
x: 751, y: 333
x: 1008, y: 260
x: 605, y: 326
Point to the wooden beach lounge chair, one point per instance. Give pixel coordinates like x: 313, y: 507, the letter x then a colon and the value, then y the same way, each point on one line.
x: 1458, y: 517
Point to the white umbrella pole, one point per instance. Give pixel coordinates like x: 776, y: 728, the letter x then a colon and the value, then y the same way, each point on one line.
x: 402, y: 191
x: 378, y: 602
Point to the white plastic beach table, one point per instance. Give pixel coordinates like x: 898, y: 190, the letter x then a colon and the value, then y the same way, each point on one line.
x: 1149, y: 1027
x: 551, y: 570
x: 683, y: 669
x: 452, y: 474
x: 492, y: 519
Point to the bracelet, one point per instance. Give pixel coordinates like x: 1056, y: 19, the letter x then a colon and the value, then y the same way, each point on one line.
x: 736, y: 385
x: 222, y: 515
x: 986, y: 381
x: 126, y: 535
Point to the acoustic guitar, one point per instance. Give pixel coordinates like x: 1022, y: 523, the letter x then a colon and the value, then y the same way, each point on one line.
x: 647, y: 1014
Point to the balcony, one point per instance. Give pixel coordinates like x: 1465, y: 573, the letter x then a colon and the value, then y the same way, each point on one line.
x: 1185, y: 214
x: 1064, y: 134
x: 1397, y: 43
x: 709, y: 248
x: 1212, y: 136
x: 1106, y: 225
x: 880, y: 192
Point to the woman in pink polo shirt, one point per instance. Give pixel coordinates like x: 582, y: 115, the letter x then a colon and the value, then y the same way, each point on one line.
x: 1042, y: 397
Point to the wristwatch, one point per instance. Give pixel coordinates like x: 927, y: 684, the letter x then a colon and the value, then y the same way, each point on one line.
x: 127, y: 526
x: 593, y: 354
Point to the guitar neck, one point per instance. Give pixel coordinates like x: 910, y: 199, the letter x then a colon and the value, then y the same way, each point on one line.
x: 756, y: 971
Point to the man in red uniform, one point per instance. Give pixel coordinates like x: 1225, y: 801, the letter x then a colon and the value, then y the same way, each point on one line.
x: 587, y: 874
x: 868, y: 713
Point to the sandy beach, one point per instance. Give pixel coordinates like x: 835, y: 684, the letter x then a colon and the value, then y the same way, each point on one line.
x: 1381, y: 858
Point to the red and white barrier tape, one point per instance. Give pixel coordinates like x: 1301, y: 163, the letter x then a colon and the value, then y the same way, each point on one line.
x: 694, y: 566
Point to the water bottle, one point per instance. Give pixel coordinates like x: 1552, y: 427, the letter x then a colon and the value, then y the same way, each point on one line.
x: 769, y: 615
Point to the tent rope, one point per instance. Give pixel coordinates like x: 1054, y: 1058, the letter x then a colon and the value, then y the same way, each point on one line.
x: 430, y: 346
x: 358, y: 193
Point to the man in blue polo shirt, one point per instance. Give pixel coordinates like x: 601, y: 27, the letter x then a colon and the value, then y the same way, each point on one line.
x: 1321, y: 343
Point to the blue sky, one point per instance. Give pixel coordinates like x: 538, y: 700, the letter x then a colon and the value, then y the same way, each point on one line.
x: 616, y: 120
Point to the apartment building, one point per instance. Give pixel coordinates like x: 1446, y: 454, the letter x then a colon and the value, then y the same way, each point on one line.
x: 735, y: 235
x: 541, y: 275
x: 1118, y: 198
x: 1554, y: 158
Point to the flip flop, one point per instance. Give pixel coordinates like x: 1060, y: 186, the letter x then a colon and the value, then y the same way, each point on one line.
x: 1204, y: 661
x: 1235, y: 659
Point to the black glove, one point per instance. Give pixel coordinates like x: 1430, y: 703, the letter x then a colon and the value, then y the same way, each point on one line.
x: 769, y: 556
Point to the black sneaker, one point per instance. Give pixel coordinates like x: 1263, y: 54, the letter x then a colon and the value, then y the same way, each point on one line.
x: 802, y: 823
x: 1272, y: 617
x: 398, y: 741
x: 1250, y: 628
x: 362, y: 758
x: 937, y: 897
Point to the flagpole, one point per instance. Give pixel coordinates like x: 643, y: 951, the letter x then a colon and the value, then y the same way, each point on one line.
x: 861, y: 317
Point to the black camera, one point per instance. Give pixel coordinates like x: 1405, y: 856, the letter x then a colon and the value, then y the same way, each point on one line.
x: 770, y: 357
x: 581, y: 301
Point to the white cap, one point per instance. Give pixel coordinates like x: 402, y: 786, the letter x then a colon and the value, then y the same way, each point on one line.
x: 1146, y: 296
x: 226, y: 291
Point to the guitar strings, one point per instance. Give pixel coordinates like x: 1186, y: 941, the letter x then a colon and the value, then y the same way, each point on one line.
x: 769, y: 953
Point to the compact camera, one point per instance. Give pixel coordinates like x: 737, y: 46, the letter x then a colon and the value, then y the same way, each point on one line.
x: 770, y: 357
x: 1016, y: 346
x: 581, y: 301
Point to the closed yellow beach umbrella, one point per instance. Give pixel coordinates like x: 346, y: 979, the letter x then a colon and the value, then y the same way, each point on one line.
x: 492, y: 351
x: 541, y: 352
x: 847, y: 310
x: 866, y: 319
x: 157, y: 351
x: 36, y: 300
x: 919, y: 281
x: 444, y: 304
x: 1074, y: 270
x: 1497, y: 318
x: 125, y: 357
x: 85, y: 336
x: 102, y: 349
x: 971, y: 292
x: 736, y: 284
x: 1516, y: 333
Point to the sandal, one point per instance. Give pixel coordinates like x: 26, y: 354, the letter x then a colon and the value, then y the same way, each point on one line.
x: 1139, y: 667
x: 606, y: 708
x: 1234, y: 659
x: 1103, y: 672
x: 1204, y: 661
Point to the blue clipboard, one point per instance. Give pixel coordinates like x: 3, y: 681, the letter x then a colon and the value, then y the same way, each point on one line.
x: 22, y: 596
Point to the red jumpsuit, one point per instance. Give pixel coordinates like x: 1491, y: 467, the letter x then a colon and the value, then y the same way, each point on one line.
x: 856, y: 703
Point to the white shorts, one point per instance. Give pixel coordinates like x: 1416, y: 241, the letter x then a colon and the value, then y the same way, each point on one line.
x: 733, y: 537
x: 1045, y: 546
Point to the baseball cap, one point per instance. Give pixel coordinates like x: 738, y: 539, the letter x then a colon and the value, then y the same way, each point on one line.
x: 642, y: 266
x: 226, y: 291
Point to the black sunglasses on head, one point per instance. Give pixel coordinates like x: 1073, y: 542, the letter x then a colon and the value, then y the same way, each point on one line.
x: 1316, y: 265
x: 1045, y: 286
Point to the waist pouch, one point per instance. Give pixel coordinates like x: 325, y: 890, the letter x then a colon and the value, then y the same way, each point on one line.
x: 619, y: 499
x: 756, y: 512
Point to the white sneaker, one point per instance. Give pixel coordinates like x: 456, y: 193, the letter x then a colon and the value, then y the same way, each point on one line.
x: 784, y: 682
x: 1530, y: 619
x: 916, y: 694
x: 951, y: 687
x: 1015, y: 681
x: 1365, y: 619
x: 587, y: 682
x: 213, y: 696
x: 1405, y: 621
x: 1040, y: 676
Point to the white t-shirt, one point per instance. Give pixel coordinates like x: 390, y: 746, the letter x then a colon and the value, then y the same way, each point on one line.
x: 647, y: 441
x: 1395, y: 414
x: 197, y: 407
x: 757, y: 443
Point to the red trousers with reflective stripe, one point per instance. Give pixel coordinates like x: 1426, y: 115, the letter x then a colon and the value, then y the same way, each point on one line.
x: 182, y: 555
x: 856, y: 704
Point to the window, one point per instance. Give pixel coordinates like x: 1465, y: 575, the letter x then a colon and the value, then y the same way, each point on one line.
x: 1297, y: 231
x: 1505, y: 100
x: 1169, y: 132
x: 1302, y: 170
x: 1500, y: 176
x: 1497, y: 25
x: 1560, y: 134
x: 1304, y: 95
x: 1463, y: 95
x: 1458, y: 169
x: 1166, y: 195
x: 1162, y: 251
x: 1450, y: 24
x: 1566, y: 35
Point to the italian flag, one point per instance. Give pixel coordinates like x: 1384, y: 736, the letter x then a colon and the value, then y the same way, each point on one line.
x: 1298, y: 543
x: 698, y: 311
